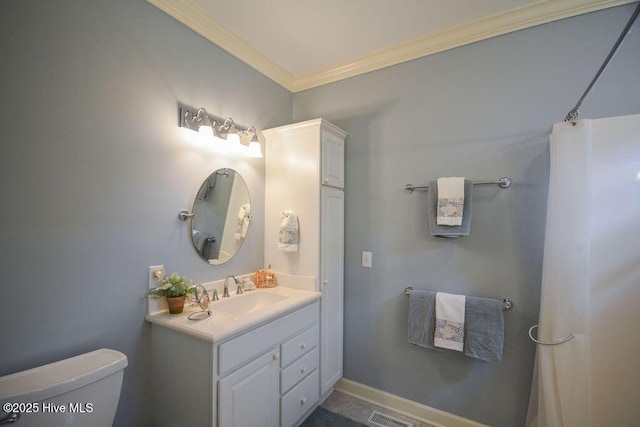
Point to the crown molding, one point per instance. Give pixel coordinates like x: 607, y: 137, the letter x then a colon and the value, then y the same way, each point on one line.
x: 537, y: 13
x: 198, y: 21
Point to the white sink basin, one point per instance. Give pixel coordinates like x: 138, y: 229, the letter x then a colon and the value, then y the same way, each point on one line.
x: 230, y: 316
x: 248, y: 302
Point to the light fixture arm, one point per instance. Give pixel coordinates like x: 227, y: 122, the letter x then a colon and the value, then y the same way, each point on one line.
x: 253, y: 133
x: 228, y: 126
x: 199, y: 117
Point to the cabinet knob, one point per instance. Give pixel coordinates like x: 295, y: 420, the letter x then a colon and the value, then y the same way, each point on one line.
x: 326, y: 180
x: 324, y: 283
x: 303, y: 345
x: 303, y: 401
x: 303, y: 370
x: 276, y: 355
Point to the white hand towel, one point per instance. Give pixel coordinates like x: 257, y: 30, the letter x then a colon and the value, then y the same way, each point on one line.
x: 289, y: 232
x: 450, y: 201
x: 449, y: 331
x: 243, y: 221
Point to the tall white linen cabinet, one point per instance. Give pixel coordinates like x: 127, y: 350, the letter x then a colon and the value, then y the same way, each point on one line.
x: 304, y: 170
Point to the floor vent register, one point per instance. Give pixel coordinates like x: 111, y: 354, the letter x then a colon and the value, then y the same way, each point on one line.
x: 384, y: 420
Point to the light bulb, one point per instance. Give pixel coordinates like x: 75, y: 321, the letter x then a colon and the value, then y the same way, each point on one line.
x: 255, y: 150
x: 205, y: 127
x: 233, y: 138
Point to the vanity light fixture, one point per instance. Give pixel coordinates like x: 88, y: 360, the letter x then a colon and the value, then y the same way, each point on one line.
x: 224, y: 132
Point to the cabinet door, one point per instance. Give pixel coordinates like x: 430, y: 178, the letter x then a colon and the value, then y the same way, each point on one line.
x: 332, y: 167
x: 332, y: 283
x: 250, y: 395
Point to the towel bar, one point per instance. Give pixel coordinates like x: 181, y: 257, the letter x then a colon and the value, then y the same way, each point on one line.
x: 507, y: 303
x: 503, y: 182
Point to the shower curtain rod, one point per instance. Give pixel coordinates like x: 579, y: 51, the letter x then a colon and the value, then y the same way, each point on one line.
x: 572, y: 115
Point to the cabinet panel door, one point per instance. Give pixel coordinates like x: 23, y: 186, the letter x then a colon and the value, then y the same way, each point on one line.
x: 249, y: 396
x: 332, y: 283
x: 332, y: 160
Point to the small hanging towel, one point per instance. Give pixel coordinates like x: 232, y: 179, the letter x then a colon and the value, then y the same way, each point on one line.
x: 432, y: 210
x: 244, y: 217
x: 449, y: 321
x: 289, y: 232
x: 450, y: 201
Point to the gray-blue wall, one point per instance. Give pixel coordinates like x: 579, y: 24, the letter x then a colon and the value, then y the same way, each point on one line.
x: 93, y: 171
x: 480, y: 111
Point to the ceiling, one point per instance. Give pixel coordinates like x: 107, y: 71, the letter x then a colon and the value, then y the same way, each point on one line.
x: 302, y: 44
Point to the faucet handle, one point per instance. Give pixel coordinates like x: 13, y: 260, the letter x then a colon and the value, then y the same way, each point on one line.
x: 215, y: 295
x: 239, y: 291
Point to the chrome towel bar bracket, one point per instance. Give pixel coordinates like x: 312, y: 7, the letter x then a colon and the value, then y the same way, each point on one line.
x: 507, y: 303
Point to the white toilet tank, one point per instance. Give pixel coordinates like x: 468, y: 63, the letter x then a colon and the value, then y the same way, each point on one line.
x: 80, y: 391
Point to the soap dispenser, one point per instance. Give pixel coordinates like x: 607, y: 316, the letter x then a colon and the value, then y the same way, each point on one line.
x: 260, y: 278
x: 270, y: 278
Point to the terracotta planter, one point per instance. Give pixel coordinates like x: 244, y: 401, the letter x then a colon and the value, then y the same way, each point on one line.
x: 175, y: 304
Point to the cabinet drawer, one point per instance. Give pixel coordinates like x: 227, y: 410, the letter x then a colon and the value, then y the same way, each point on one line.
x: 299, y: 345
x: 250, y: 344
x: 300, y: 399
x: 298, y: 370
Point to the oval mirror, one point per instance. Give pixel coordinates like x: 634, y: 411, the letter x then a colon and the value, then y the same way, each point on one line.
x: 221, y: 216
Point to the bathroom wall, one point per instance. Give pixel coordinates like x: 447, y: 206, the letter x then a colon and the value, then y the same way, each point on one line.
x: 93, y: 171
x: 481, y: 111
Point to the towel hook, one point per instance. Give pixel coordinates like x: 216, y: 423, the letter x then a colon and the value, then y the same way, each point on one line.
x: 570, y: 337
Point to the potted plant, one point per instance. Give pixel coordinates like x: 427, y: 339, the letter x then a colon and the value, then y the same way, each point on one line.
x: 174, y: 288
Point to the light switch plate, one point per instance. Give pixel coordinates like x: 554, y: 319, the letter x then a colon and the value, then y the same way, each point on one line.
x: 366, y: 259
x: 156, y: 272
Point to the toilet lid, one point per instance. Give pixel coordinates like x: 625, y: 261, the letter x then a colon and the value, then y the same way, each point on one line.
x: 59, y: 377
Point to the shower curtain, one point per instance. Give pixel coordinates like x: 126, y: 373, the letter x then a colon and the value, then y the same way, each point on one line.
x: 590, y: 278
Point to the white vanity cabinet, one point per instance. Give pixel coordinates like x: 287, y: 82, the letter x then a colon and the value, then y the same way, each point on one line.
x: 266, y: 376
x: 305, y: 173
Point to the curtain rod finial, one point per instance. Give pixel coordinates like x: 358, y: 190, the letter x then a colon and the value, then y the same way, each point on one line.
x: 572, y: 116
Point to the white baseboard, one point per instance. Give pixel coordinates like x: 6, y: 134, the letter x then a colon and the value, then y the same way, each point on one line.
x: 404, y: 406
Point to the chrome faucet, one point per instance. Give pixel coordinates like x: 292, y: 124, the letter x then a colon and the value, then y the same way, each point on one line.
x: 225, y: 293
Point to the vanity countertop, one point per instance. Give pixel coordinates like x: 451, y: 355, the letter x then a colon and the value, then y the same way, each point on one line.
x: 237, y: 313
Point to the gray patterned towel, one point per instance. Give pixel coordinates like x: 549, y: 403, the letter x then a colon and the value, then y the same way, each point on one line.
x: 422, y: 317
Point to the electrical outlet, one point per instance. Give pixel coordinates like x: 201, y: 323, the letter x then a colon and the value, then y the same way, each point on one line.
x: 156, y: 272
x: 366, y: 259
